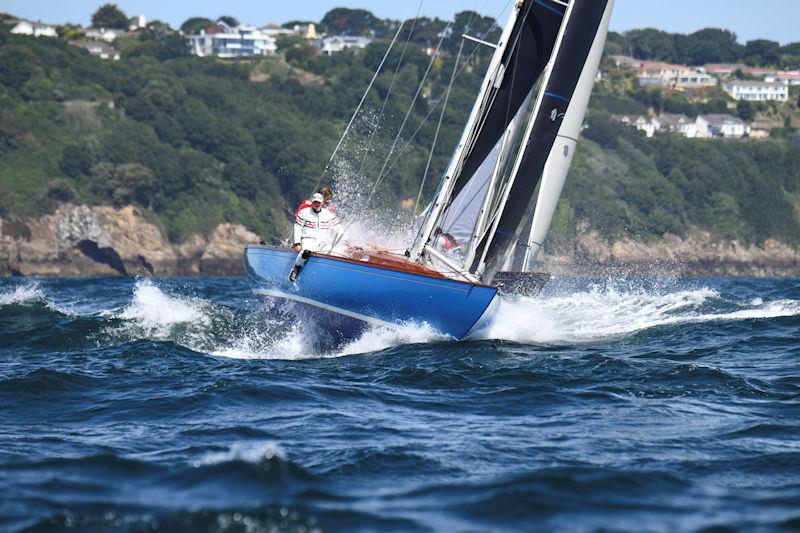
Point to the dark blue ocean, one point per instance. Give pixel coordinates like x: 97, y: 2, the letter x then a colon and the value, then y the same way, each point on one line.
x: 191, y: 405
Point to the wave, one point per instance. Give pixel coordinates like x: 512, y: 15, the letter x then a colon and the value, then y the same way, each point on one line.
x: 604, y: 312
x: 248, y: 452
x: 154, y: 309
x: 23, y: 294
x: 249, y: 328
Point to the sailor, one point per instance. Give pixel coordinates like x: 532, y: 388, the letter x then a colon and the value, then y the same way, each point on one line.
x: 315, y: 229
x: 448, y: 243
x: 327, y: 194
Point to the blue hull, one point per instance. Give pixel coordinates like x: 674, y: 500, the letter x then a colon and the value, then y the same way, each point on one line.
x: 346, y: 296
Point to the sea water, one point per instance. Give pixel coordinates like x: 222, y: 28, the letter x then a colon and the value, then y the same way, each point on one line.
x: 190, y: 404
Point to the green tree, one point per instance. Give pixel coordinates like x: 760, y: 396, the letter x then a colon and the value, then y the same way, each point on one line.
x: 193, y: 25
x: 60, y: 191
x: 230, y: 21
x: 762, y: 52
x: 76, y: 160
x: 709, y: 45
x: 17, y: 65
x: 745, y: 111
x: 110, y: 16
x: 651, y: 43
x: 346, y: 21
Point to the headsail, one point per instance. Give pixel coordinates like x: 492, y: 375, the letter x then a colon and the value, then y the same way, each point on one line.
x: 584, y: 20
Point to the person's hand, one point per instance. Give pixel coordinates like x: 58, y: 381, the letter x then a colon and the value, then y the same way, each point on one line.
x: 297, y: 248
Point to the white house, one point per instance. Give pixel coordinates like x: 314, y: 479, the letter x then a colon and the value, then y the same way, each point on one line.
x: 757, y: 90
x: 137, y: 23
x: 336, y: 43
x: 639, y: 122
x: 690, y: 79
x: 101, y: 50
x: 108, y: 35
x: 232, y: 42
x: 787, y: 77
x: 658, y: 73
x: 719, y: 125
x: 680, y: 124
x: 36, y: 29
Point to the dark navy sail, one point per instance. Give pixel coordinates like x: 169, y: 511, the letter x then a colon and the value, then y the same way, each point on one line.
x: 568, y: 63
x: 529, y: 50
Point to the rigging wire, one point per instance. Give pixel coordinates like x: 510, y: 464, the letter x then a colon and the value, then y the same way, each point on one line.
x: 438, y: 127
x: 389, y: 92
x: 407, y: 144
x: 384, y: 170
x: 381, y: 174
x: 358, y: 108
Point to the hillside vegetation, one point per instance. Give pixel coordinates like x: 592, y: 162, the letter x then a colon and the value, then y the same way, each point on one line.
x: 196, y: 142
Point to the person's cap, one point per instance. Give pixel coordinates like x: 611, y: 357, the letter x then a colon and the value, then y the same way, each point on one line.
x: 317, y: 197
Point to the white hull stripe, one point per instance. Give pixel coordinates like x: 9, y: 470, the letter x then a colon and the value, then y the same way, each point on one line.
x: 326, y: 307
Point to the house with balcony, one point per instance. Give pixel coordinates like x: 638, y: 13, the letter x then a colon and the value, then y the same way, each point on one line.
x: 34, y: 29
x: 787, y: 77
x: 657, y: 73
x: 226, y: 41
x: 694, y: 79
x: 108, y: 35
x: 722, y: 70
x: 722, y: 126
x: 757, y: 91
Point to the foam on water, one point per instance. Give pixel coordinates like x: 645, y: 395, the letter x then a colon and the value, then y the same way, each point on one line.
x: 604, y: 312
x: 23, y: 294
x: 151, y: 307
x: 608, y: 310
x: 250, y: 452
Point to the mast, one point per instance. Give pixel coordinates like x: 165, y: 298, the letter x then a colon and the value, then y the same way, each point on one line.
x: 558, y: 162
x: 494, y: 75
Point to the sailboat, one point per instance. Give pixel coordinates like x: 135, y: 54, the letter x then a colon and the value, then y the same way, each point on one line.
x: 521, y: 132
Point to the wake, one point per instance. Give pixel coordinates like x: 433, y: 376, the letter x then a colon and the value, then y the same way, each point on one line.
x: 259, y: 329
x: 609, y: 311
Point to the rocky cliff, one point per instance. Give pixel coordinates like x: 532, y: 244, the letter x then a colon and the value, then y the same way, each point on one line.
x: 699, y: 253
x: 78, y: 240
x: 97, y: 241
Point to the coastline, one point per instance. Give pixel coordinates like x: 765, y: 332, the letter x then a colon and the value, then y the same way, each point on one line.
x: 78, y: 240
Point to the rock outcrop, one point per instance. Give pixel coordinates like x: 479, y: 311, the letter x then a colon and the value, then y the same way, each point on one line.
x: 699, y: 253
x: 101, y: 240
x: 78, y: 240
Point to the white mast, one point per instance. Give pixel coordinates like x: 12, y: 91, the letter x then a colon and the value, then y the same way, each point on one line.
x: 558, y: 161
x: 493, y: 77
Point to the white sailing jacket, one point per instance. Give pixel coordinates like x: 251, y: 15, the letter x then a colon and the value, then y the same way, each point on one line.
x: 316, y: 231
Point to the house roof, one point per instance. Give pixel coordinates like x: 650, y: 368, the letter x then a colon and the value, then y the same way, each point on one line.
x: 674, y: 119
x: 753, y: 83
x: 721, y: 119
